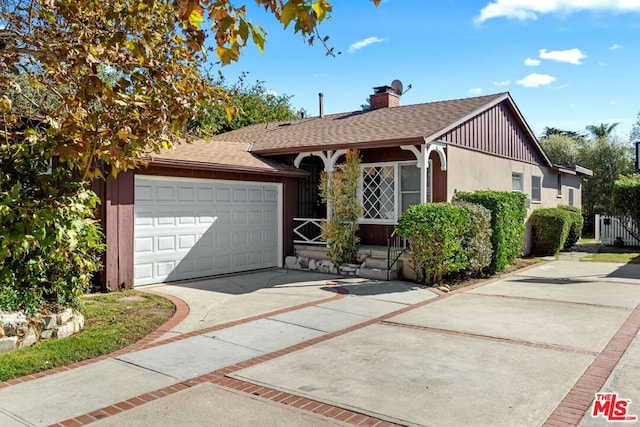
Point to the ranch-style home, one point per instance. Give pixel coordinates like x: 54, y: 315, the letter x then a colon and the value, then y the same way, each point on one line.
x: 246, y: 199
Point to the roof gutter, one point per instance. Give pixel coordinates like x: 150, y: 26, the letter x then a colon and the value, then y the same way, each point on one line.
x: 417, y: 140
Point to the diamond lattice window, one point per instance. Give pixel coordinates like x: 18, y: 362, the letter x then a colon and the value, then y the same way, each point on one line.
x: 378, y: 192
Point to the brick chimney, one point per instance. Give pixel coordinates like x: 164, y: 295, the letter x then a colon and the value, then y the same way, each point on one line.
x: 384, y: 97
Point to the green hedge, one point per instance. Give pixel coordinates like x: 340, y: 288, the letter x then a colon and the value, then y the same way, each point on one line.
x: 577, y: 222
x: 550, y: 230
x: 477, y: 239
x: 436, y: 233
x: 508, y: 213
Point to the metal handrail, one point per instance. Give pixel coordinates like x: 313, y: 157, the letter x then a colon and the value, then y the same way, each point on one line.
x: 396, y: 246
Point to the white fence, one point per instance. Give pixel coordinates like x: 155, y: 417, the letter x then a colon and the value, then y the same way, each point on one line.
x: 608, y: 228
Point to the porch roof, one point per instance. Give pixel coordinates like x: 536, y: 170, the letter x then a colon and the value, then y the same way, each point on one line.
x: 402, y: 125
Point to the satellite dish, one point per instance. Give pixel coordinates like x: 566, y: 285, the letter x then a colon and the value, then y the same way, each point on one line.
x: 396, y: 87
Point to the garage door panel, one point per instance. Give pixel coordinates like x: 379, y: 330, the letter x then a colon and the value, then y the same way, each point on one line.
x: 186, y: 229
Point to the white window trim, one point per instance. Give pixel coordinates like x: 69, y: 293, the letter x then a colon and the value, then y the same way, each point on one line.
x: 539, y: 189
x: 559, y: 187
x: 396, y: 189
x: 521, y: 190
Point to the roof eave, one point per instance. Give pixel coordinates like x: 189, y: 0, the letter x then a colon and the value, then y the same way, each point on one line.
x: 417, y: 140
x: 190, y: 164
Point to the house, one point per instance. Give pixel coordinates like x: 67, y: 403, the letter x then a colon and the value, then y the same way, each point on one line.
x: 240, y: 200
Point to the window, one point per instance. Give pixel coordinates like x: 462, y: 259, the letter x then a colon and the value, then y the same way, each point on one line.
x: 559, y: 185
x: 388, y: 189
x: 571, y: 197
x: 516, y: 182
x: 536, y: 189
x: 378, y: 192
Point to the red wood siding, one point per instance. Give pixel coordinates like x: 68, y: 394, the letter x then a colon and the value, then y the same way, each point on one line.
x: 496, y: 131
x: 116, y: 216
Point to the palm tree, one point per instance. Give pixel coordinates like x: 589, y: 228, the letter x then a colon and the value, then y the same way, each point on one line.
x: 602, y: 130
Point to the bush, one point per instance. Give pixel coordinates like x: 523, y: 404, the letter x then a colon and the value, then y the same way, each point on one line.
x: 508, y: 213
x: 577, y: 222
x: 477, y: 239
x: 436, y: 233
x: 550, y: 230
x: 50, y: 244
x: 340, y: 193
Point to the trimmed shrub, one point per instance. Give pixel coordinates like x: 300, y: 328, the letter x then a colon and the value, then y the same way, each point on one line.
x: 577, y: 222
x: 550, y: 230
x: 436, y: 232
x: 477, y: 239
x: 508, y: 213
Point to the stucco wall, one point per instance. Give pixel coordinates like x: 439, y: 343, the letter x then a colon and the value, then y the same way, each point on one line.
x: 471, y: 170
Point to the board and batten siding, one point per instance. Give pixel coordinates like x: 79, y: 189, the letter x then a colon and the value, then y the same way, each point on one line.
x: 496, y: 131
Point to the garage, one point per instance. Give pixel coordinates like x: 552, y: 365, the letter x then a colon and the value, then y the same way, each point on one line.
x: 186, y: 228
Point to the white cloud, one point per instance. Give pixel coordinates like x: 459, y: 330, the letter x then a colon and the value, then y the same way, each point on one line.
x: 564, y: 86
x: 572, y: 56
x: 476, y: 90
x: 364, y: 43
x: 602, y: 64
x: 532, y: 62
x: 535, y: 80
x: 527, y: 9
x: 502, y: 83
x: 615, y: 46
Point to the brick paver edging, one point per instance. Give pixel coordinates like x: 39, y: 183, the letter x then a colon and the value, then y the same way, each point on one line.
x: 182, y: 310
x: 577, y: 402
x: 219, y: 377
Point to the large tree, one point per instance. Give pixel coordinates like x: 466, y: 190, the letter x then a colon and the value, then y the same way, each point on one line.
x: 606, y: 156
x: 253, y: 103
x: 90, y: 86
x: 603, y: 130
x: 153, y: 50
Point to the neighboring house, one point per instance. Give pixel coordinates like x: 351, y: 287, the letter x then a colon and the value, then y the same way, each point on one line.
x: 239, y: 201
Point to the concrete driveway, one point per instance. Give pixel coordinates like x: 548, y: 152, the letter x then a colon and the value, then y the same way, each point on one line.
x: 531, y: 349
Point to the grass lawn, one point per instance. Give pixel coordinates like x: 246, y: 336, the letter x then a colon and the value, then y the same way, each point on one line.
x: 630, y: 255
x: 112, y: 321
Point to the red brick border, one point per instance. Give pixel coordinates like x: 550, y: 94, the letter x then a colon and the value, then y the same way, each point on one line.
x: 494, y: 339
x: 578, y: 401
x: 182, y: 310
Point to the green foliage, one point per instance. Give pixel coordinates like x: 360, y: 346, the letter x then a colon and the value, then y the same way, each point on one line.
x: 508, y: 213
x: 634, y: 135
x: 550, y: 230
x: 477, y: 239
x: 49, y: 242
x: 577, y: 223
x: 112, y: 321
x: 604, y: 154
x: 253, y: 104
x: 436, y: 233
x: 339, y: 192
x: 626, y: 198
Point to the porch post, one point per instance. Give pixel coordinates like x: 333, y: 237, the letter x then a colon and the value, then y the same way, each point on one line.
x: 424, y: 171
x: 329, y: 159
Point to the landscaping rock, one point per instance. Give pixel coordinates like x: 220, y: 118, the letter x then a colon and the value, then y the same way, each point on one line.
x: 65, y: 330
x: 30, y: 339
x: 291, y: 262
x: 8, y: 343
x: 47, y: 334
x: 303, y: 262
x: 48, y: 322
x: 64, y: 316
x: 312, y: 264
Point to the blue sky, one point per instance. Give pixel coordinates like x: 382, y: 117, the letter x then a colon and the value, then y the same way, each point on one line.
x: 566, y: 63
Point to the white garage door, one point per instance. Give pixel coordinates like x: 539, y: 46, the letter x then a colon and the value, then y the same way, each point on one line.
x: 187, y: 228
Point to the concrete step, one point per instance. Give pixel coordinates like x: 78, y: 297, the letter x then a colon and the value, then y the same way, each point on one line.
x: 378, y: 273
x: 380, y: 263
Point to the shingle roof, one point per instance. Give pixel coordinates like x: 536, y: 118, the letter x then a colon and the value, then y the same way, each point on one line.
x: 220, y: 155
x: 360, y: 127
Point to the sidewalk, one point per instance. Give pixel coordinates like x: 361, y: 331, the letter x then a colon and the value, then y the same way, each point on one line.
x: 528, y: 349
